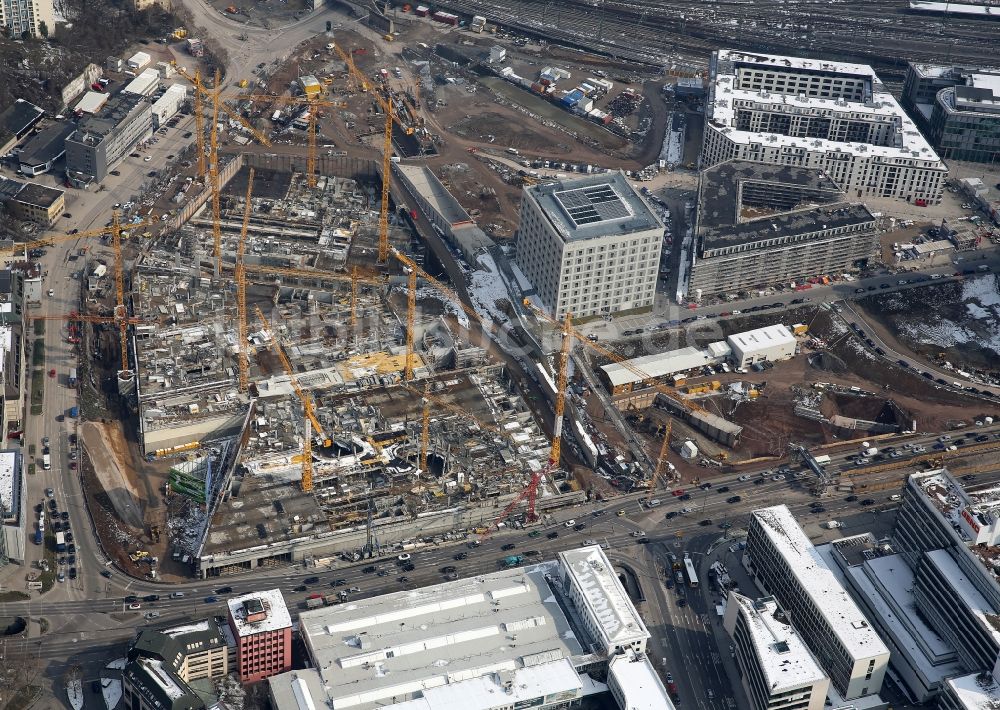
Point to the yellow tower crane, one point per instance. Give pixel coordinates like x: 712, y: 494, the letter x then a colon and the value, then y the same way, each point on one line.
x: 661, y: 461
x: 562, y: 380
x: 307, y: 405
x: 241, y: 290
x: 223, y: 106
x: 411, y: 312
x: 314, y: 105
x: 213, y: 170
x: 384, y: 103
x: 199, y: 122
x: 354, y: 278
x: 425, y: 432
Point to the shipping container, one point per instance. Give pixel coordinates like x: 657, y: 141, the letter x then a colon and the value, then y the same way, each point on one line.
x: 445, y: 18
x: 421, y: 11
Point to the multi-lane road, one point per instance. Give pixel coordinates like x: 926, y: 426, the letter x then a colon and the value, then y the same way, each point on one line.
x: 88, y: 622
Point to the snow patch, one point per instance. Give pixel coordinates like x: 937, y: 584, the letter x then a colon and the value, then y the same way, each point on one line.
x: 486, y: 287
x: 117, y: 664
x: 74, y: 691
x: 112, y: 690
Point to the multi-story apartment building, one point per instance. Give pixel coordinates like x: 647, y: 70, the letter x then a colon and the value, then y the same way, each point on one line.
x: 262, y: 627
x: 784, y: 562
x: 818, y: 114
x: 36, y: 17
x: 776, y: 667
x: 758, y: 225
x: 960, y: 108
x: 589, y: 245
x: 161, y: 663
x: 102, y: 140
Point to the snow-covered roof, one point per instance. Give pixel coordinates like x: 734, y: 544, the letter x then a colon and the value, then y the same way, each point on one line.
x: 92, y: 102
x: 886, y: 584
x: 815, y: 578
x: 400, y: 645
x: 782, y: 657
x: 604, y: 598
x: 761, y: 338
x: 954, y: 8
x: 164, y: 679
x: 525, y: 686
x: 185, y: 629
x: 879, y: 104
x: 975, y: 691
x: 10, y: 484
x: 638, y: 682
x: 657, y: 365
x: 275, y: 613
x: 966, y: 590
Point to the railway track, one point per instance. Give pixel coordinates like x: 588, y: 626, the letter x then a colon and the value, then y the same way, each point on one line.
x: 664, y: 32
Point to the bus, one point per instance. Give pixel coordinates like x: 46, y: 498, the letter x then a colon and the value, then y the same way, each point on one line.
x: 692, y: 576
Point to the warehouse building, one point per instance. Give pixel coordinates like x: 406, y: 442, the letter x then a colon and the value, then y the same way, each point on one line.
x: 92, y: 102
x: 960, y: 108
x: 759, y: 225
x: 590, y: 245
x: 44, y: 148
x: 167, y: 106
x: 101, y: 141
x: 145, y: 84
x: 32, y: 202
x: 784, y: 562
x: 776, y: 668
x: 519, y: 637
x: 771, y: 343
x: 16, y: 122
x: 811, y: 113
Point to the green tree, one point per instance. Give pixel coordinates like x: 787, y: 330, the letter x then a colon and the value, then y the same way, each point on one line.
x: 43, y: 29
x: 26, y: 35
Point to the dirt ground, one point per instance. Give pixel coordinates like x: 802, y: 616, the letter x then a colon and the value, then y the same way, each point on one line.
x: 106, y: 448
x: 934, y: 409
x: 954, y: 322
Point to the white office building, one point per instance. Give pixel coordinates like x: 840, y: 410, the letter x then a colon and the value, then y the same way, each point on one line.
x: 776, y: 667
x: 522, y: 637
x: 818, y: 114
x: 589, y: 245
x: 784, y: 562
x: 36, y: 17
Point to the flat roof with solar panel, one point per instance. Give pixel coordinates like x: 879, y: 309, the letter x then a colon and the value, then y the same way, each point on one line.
x: 594, y: 206
x: 589, y: 205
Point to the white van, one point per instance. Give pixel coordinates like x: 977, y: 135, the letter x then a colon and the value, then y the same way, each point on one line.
x: 46, y: 462
x: 176, y: 595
